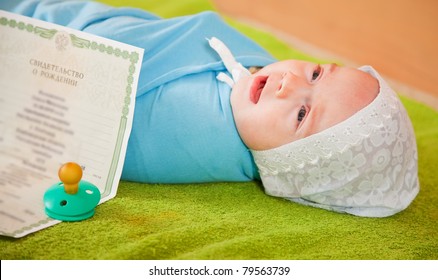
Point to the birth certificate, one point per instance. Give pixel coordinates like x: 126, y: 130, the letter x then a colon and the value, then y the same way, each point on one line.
x: 65, y: 96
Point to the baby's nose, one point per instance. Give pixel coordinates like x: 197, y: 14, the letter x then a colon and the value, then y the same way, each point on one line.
x: 288, y: 84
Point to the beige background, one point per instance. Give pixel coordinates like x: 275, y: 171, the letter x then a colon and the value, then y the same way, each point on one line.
x: 398, y: 37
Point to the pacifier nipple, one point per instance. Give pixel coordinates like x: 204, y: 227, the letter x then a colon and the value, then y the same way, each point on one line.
x: 70, y: 175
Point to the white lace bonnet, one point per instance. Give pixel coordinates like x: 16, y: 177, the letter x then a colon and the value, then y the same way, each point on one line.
x: 365, y: 165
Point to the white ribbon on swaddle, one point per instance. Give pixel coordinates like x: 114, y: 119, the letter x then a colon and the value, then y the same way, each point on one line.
x: 235, y: 68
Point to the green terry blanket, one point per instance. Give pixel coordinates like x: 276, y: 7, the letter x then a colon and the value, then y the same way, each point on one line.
x: 237, y: 220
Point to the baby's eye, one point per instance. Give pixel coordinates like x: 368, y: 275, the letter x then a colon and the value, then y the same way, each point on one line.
x: 302, y: 113
x: 316, y: 73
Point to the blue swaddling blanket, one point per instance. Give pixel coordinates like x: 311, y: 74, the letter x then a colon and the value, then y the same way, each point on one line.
x: 183, y: 128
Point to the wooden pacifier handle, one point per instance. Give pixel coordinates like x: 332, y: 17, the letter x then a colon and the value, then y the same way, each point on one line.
x: 70, y: 175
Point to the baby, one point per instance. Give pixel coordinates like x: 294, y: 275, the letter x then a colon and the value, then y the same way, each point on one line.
x: 322, y: 135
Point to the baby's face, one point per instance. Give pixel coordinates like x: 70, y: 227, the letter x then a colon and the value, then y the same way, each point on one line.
x: 290, y: 100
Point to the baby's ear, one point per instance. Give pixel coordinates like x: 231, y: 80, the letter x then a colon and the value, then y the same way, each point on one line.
x: 254, y: 69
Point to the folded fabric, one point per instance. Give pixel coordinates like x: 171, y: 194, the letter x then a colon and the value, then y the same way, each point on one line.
x: 183, y: 129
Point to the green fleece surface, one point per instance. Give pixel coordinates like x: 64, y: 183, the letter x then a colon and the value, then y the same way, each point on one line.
x: 237, y: 220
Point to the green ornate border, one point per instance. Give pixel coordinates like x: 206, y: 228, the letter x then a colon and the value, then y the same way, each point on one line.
x: 78, y: 42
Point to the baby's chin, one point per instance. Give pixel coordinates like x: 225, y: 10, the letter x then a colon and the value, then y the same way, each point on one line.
x: 239, y: 90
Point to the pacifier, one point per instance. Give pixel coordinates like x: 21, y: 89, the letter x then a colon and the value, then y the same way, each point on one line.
x: 72, y: 199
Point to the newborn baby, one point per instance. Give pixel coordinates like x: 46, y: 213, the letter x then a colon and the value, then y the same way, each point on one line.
x: 322, y: 135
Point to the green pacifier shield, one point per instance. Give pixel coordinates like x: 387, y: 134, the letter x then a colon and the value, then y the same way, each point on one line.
x: 71, y: 207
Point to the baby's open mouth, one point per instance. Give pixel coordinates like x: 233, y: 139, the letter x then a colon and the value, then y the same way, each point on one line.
x: 257, y: 87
